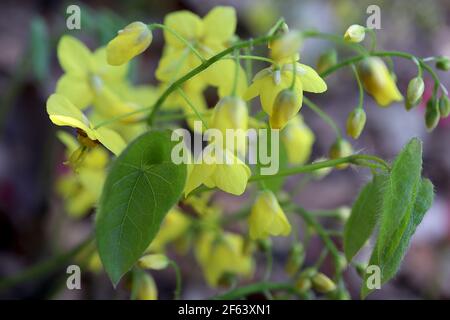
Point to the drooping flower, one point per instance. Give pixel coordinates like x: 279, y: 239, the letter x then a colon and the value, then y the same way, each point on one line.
x: 146, y: 288
x: 298, y: 140
x: 219, y: 168
x: 378, y: 82
x: 131, y: 41
x: 232, y: 113
x: 221, y: 255
x: 270, y: 81
x: 63, y: 113
x: 285, y: 107
x: 267, y: 217
x: 82, y: 189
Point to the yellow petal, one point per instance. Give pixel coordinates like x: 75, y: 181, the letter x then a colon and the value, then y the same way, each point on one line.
x: 110, y: 139
x: 199, y: 174
x: 130, y: 42
x: 231, y: 178
x: 221, y: 75
x: 186, y: 24
x: 220, y: 24
x: 106, y: 71
x: 311, y: 81
x: 76, y: 89
x: 74, y: 56
x: 63, y: 113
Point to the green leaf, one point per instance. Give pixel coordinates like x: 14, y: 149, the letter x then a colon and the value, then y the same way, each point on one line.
x: 142, y: 186
x: 399, y: 197
x: 390, y: 266
x: 363, y: 218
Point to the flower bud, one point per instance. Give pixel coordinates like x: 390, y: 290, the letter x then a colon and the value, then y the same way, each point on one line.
x: 322, y: 283
x: 355, y: 33
x: 326, y: 60
x: 432, y: 114
x: 444, y: 106
x: 343, y: 213
x: 232, y: 113
x: 130, y: 42
x: 361, y: 269
x: 414, y: 93
x: 146, y: 288
x: 355, y: 122
x: 287, y: 104
x: 341, y: 148
x: 267, y: 218
x: 443, y: 63
x: 154, y: 261
x: 303, y: 284
x: 286, y: 47
x: 295, y: 258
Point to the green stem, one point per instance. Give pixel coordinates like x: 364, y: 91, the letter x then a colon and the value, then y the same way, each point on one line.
x: 325, y: 117
x: 206, y: 64
x: 244, y: 291
x: 334, y: 38
x: 251, y: 57
x: 191, y: 105
x: 360, y: 87
x: 178, y: 279
x: 44, y: 267
x: 236, y: 72
x: 179, y: 37
x: 373, y: 39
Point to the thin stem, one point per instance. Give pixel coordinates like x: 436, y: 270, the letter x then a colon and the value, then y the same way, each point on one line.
x: 121, y: 117
x: 294, y: 78
x: 206, y: 64
x: 44, y: 267
x: 269, y: 263
x: 244, y: 291
x: 373, y: 39
x: 179, y: 37
x: 236, y: 72
x: 178, y: 279
x: 248, y: 64
x: 360, y: 87
x: 334, y: 38
x: 191, y: 105
x: 325, y: 117
x: 252, y: 57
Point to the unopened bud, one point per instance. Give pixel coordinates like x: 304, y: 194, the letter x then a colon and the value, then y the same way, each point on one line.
x: 303, y: 284
x: 361, y: 269
x: 146, y: 288
x: 444, y: 106
x: 343, y: 213
x: 341, y: 148
x: 341, y: 263
x: 130, y: 42
x: 287, y: 104
x: 355, y: 33
x: 153, y: 261
x: 432, y: 114
x: 355, y: 122
x: 286, y: 46
x: 322, y: 283
x: 326, y: 60
x: 414, y: 93
x: 443, y: 63
x: 295, y: 258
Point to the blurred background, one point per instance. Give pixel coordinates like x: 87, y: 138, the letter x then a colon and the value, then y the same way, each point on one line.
x: 33, y: 224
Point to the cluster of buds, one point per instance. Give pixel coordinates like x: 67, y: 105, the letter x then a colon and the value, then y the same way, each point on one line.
x: 312, y: 279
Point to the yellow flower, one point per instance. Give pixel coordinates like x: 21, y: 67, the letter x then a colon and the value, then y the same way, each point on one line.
x: 63, y: 113
x: 298, y: 140
x: 270, y: 81
x: 85, y: 72
x: 146, y: 288
x: 231, y: 113
x: 82, y: 189
x: 174, y: 225
x: 130, y: 42
x: 219, y: 168
x: 267, y: 218
x: 355, y: 33
x: 223, y: 254
x: 208, y: 36
x: 378, y: 82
